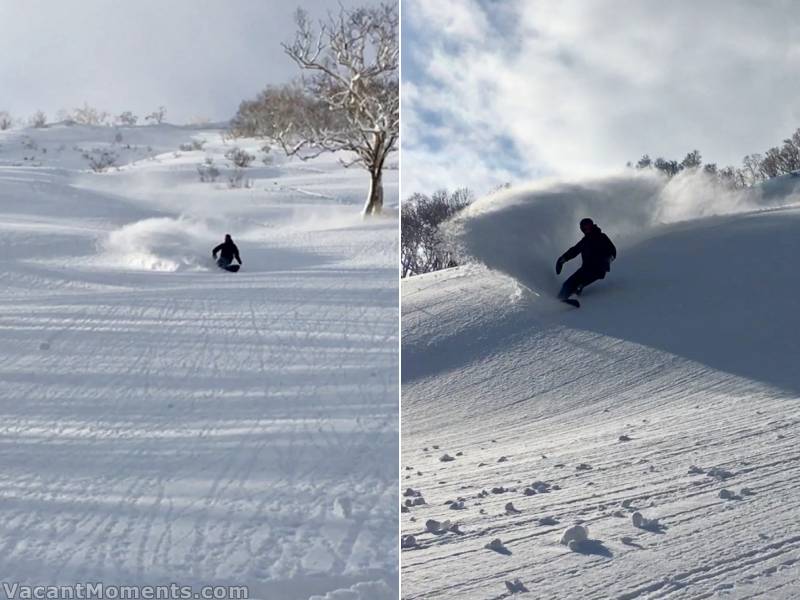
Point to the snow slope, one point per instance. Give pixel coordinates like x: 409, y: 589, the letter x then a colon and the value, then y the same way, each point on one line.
x: 163, y: 420
x: 674, y: 381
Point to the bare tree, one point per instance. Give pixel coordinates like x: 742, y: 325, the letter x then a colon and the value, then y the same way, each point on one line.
x: 89, y: 115
x: 101, y: 161
x: 5, y: 120
x: 352, y: 61
x: 781, y: 160
x: 275, y: 108
x: 239, y: 157
x: 670, y: 168
x: 732, y: 177
x: 693, y: 160
x: 157, y: 116
x: 127, y: 118
x: 38, y: 119
x: 422, y: 246
x: 751, y: 172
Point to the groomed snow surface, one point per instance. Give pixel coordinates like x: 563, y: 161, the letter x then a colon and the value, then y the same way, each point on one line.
x: 165, y: 421
x: 643, y: 446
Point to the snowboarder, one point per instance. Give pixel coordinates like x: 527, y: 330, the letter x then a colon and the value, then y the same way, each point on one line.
x: 597, y: 253
x: 227, y: 253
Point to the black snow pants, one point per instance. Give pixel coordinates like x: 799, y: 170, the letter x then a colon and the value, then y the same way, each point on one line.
x: 579, y: 280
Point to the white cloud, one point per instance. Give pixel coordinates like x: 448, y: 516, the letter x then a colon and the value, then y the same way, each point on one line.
x: 196, y: 58
x: 457, y: 19
x: 585, y: 86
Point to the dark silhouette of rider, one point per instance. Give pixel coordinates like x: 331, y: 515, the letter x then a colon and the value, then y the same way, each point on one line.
x: 597, y: 253
x: 227, y: 252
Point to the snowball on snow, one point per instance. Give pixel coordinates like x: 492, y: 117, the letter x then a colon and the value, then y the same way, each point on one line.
x: 576, y: 533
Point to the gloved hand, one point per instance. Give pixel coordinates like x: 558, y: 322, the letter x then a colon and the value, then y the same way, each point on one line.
x: 559, y: 265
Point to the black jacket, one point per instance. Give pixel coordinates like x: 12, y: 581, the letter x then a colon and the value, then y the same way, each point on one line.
x: 227, y: 250
x: 596, y: 250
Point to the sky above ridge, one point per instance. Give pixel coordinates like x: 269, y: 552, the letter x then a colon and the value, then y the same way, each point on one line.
x: 198, y: 59
x: 497, y: 91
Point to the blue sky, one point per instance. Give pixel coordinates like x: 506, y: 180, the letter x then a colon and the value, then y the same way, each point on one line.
x: 498, y: 91
x: 199, y: 59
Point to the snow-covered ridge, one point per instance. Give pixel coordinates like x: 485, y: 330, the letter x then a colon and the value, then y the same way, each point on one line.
x: 661, y: 416
x: 166, y: 421
x: 167, y: 217
x: 521, y: 231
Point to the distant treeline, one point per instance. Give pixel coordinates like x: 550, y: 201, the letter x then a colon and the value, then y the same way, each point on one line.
x: 85, y: 115
x: 778, y: 160
x: 423, y: 248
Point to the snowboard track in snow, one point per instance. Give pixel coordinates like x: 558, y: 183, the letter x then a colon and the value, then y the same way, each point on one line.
x: 613, y: 406
x: 191, y: 425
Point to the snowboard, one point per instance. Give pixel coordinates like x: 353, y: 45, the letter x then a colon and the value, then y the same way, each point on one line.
x: 231, y: 268
x: 572, y: 302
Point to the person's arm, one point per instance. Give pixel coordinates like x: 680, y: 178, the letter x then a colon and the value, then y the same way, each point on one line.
x: 215, y: 250
x: 568, y: 255
x: 573, y: 252
x: 236, y: 253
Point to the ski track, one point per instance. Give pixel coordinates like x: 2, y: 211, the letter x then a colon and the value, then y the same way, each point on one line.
x: 193, y: 426
x: 554, y: 393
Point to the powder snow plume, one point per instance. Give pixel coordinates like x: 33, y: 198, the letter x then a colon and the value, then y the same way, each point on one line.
x: 521, y: 232
x: 160, y: 244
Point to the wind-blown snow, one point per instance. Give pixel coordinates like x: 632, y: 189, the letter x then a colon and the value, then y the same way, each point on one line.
x: 165, y: 421
x: 521, y: 232
x: 674, y: 381
x: 160, y: 244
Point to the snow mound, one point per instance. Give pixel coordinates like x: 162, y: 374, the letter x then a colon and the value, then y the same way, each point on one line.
x: 576, y: 533
x: 516, y: 586
x: 521, y: 232
x: 436, y: 527
x: 641, y: 522
x: 160, y: 244
x: 369, y: 590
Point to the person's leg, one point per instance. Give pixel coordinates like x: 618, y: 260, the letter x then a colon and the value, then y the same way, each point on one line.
x: 571, y: 284
x: 586, y: 279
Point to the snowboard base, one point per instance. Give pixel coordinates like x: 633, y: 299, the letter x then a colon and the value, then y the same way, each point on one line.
x: 572, y: 302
